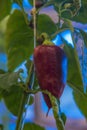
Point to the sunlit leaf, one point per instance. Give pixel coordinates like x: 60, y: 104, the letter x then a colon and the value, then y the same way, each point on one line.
x: 33, y: 126
x: 19, y: 40
x: 45, y: 24
x: 3, y: 24
x: 5, y: 7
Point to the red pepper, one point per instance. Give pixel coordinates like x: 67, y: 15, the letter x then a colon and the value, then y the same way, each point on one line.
x: 51, y: 69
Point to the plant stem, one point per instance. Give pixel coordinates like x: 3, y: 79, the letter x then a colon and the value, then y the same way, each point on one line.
x: 24, y: 100
x: 21, y: 110
x: 59, y: 122
x: 34, y: 17
x: 58, y: 31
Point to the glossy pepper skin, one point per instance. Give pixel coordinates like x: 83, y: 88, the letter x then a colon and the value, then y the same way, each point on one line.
x: 51, y: 69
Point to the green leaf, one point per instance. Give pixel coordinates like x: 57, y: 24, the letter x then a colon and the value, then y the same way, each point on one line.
x: 74, y: 76
x: 5, y: 7
x: 12, y: 99
x: 19, y: 40
x: 81, y: 102
x: 81, y: 16
x: 45, y: 24
x: 7, y: 80
x: 33, y: 126
x: 84, y: 35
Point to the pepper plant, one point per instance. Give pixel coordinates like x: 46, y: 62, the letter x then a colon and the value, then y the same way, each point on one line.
x: 24, y: 32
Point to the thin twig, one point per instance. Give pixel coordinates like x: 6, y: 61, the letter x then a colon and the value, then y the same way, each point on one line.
x: 34, y: 18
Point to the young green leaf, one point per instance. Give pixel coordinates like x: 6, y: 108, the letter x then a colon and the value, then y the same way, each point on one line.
x: 19, y: 40
x: 33, y: 126
x: 45, y: 24
x: 5, y: 7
